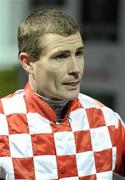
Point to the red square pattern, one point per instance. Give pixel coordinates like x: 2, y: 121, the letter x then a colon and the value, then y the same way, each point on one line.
x: 4, y: 146
x: 17, y: 123
x: 24, y: 168
x: 83, y: 141
x: 1, y: 108
x: 103, y: 160
x: 67, y: 166
x: 43, y: 144
x: 95, y: 117
x: 92, y: 177
x: 112, y: 133
x: 65, y: 126
x: 74, y: 105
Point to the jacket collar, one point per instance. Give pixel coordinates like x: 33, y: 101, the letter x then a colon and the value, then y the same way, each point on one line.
x: 37, y: 105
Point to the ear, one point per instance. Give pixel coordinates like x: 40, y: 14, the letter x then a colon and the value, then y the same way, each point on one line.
x: 26, y: 63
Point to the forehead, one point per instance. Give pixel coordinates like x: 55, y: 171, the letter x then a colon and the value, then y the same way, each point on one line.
x: 54, y: 42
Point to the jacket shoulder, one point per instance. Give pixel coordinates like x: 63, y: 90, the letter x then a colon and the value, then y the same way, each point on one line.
x: 13, y: 103
x: 90, y: 104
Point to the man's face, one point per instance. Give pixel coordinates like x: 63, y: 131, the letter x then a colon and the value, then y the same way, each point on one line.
x: 58, y: 71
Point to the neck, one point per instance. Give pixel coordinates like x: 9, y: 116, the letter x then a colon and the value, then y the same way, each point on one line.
x: 58, y: 105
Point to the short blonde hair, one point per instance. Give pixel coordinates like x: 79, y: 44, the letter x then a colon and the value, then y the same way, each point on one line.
x: 42, y: 22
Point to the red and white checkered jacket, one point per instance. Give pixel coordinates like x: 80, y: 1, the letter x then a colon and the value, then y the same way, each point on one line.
x: 88, y: 145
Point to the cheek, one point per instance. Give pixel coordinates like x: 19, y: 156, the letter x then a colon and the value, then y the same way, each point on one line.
x: 61, y: 73
x: 49, y: 75
x: 81, y: 66
x: 40, y: 76
x: 81, y: 69
x: 50, y: 78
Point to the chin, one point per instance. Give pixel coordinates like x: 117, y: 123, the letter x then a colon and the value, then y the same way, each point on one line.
x: 71, y: 96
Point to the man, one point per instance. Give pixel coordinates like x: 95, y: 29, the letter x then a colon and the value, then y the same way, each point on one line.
x: 48, y: 130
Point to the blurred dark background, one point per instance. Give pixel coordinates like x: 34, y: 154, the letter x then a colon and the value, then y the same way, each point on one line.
x: 102, y: 25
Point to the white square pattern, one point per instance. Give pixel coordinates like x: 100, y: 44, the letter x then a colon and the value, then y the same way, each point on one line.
x: 7, y: 165
x: 114, y: 155
x: 79, y: 120
x: 85, y: 163
x: 104, y: 175
x: 70, y: 178
x: 38, y: 124
x: 86, y: 101
x: 110, y: 117
x: 3, y: 125
x: 65, y: 143
x: 46, y: 167
x: 20, y: 145
x: 100, y: 138
x: 14, y: 104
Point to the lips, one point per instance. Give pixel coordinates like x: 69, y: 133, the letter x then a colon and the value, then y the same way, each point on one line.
x: 72, y: 83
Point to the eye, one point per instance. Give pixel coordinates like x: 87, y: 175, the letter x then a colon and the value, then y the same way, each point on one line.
x: 61, y: 56
x: 79, y: 53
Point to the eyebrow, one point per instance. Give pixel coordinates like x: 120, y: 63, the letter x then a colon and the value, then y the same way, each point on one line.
x: 65, y: 51
x: 80, y: 48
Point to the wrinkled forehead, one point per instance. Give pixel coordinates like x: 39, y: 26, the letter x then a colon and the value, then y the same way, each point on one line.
x: 52, y: 42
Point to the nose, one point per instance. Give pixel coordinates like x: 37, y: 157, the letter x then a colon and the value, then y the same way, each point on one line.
x: 74, y: 67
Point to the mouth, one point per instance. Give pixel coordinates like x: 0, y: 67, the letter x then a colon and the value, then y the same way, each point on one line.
x: 72, y: 85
